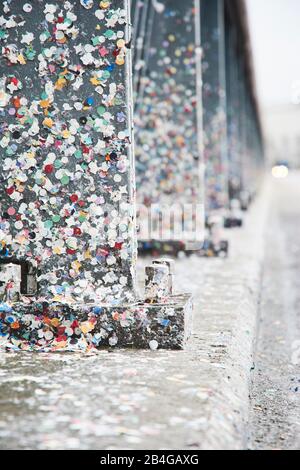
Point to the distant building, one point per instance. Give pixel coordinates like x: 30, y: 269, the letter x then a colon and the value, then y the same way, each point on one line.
x: 282, y: 133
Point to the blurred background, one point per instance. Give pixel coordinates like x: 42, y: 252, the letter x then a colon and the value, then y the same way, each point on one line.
x: 274, y: 29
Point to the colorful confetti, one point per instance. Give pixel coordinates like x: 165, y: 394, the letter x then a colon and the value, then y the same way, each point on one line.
x: 168, y: 97
x: 65, y: 140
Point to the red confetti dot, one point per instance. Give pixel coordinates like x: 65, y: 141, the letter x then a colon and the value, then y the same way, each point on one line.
x: 49, y: 169
x: 77, y: 231
x: 61, y: 330
x: 59, y: 339
x: 10, y: 190
x: 74, y: 198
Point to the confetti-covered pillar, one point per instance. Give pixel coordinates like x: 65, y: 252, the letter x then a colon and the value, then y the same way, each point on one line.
x: 214, y: 104
x: 168, y: 118
x: 247, y: 123
x: 250, y: 136
x: 142, y: 15
x: 252, y: 177
x: 67, y: 171
x: 67, y: 191
x: 233, y: 110
x: 243, y: 90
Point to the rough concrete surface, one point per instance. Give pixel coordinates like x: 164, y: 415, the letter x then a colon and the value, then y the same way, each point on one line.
x: 275, y: 404
x: 192, y: 399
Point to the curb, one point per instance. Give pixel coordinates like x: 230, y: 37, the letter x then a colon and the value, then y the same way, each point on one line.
x: 228, y: 406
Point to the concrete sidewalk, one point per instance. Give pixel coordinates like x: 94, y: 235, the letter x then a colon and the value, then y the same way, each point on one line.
x: 192, y: 399
x: 207, y: 399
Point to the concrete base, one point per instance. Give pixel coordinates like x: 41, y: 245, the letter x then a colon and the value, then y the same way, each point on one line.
x: 156, y: 248
x: 232, y: 222
x: 211, y: 250
x: 45, y: 327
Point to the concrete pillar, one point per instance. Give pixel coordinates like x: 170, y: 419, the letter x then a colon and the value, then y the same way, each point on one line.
x: 68, y: 184
x: 67, y: 171
x: 168, y: 139
x: 233, y: 124
x: 214, y: 104
x: 141, y: 14
x: 242, y: 90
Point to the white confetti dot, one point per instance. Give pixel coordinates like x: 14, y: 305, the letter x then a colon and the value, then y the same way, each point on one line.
x: 153, y: 345
x: 27, y: 8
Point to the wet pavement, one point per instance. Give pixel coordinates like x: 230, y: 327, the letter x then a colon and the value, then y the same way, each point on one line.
x: 275, y: 407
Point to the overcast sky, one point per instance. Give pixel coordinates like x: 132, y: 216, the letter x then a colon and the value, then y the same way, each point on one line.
x: 275, y: 31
